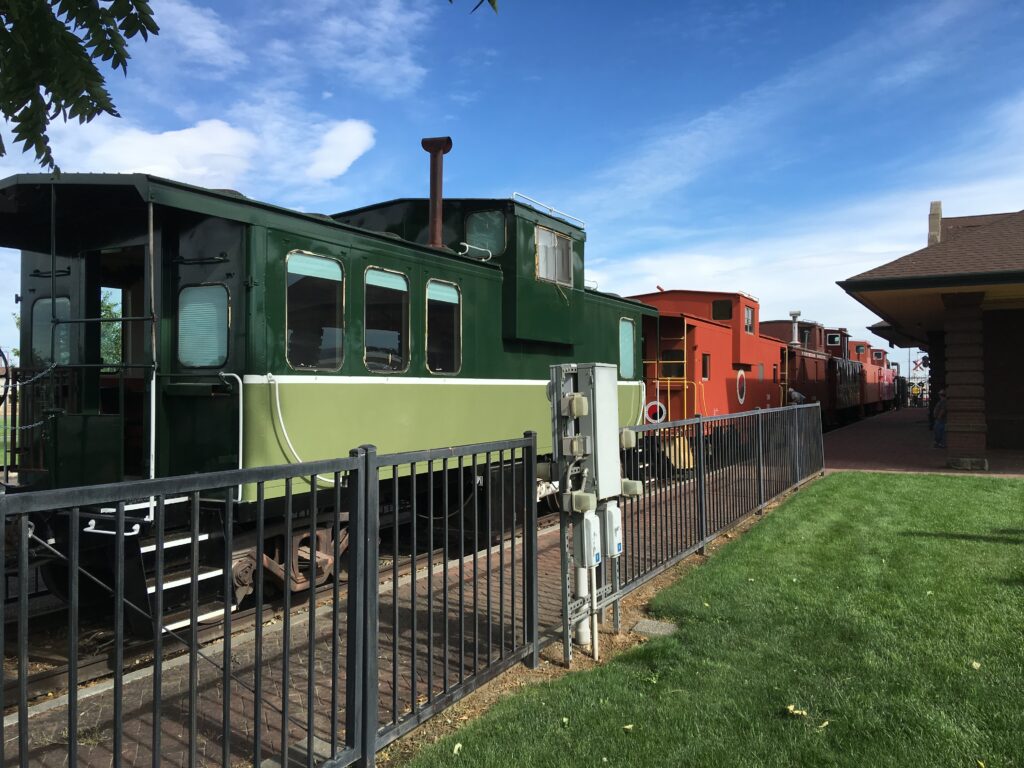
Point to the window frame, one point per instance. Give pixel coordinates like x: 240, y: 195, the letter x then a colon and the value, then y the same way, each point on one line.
x: 344, y: 346
x: 536, y: 257
x: 408, y: 319
x: 32, y: 331
x: 838, y: 339
x: 748, y: 320
x: 426, y: 327
x: 716, y: 310
x: 633, y: 365
x: 705, y: 366
x: 504, y: 230
x: 177, y: 327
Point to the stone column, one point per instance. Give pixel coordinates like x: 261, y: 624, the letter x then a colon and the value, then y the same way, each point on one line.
x: 965, y: 381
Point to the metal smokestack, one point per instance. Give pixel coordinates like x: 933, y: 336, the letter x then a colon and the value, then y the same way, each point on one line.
x: 438, y: 148
x: 795, y: 317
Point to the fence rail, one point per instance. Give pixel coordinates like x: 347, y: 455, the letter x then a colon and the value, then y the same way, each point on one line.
x: 702, y: 476
x: 315, y: 627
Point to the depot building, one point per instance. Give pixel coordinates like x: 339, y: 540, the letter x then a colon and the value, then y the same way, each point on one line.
x: 961, y: 298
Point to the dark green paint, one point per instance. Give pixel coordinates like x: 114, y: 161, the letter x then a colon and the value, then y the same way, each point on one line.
x: 513, y: 325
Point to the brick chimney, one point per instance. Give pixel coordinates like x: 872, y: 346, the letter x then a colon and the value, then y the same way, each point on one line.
x: 935, y: 222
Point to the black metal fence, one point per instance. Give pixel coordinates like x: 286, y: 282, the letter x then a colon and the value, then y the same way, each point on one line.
x: 373, y: 591
x: 458, y: 597
x: 701, y: 476
x: 312, y: 613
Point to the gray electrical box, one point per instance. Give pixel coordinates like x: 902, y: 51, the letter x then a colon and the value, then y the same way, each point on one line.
x: 599, y: 383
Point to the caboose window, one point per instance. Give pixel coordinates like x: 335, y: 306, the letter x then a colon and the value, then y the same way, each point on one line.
x: 554, y: 256
x: 315, y: 312
x: 833, y: 340
x: 203, y: 326
x: 444, y: 327
x: 877, y: 354
x: 705, y: 366
x: 387, y: 321
x: 486, y: 229
x: 748, y: 319
x: 721, y: 309
x: 627, y: 348
x: 43, y: 334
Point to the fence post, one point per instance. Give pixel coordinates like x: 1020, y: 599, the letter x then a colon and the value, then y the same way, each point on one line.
x: 759, y: 420
x: 369, y: 618
x: 702, y: 508
x: 820, y: 437
x: 796, y: 439
x: 530, y: 541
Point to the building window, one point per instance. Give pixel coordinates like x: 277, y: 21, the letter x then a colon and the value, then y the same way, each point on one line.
x: 444, y: 327
x: 387, y: 321
x: 627, y: 348
x: 760, y: 371
x: 861, y: 349
x: 203, y: 326
x: 315, y: 312
x: 486, y: 229
x: 721, y: 309
x: 705, y: 366
x: 748, y: 319
x: 554, y: 256
x: 877, y: 354
x: 44, y: 335
x: 832, y: 340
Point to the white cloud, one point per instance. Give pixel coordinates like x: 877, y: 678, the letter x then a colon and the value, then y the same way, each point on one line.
x: 674, y: 156
x: 198, y: 36
x: 210, y: 153
x: 340, y: 146
x: 373, y: 44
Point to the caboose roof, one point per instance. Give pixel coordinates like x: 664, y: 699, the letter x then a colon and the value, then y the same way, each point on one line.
x: 24, y: 212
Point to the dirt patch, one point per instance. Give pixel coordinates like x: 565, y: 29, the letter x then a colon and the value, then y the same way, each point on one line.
x: 635, y: 606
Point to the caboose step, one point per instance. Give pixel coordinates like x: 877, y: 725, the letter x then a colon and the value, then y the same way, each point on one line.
x: 182, y: 619
x: 182, y: 578
x: 176, y: 540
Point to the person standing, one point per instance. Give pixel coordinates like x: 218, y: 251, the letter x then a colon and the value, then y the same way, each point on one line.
x: 939, y: 414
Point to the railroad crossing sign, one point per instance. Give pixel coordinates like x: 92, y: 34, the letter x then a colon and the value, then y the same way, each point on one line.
x: 919, y: 364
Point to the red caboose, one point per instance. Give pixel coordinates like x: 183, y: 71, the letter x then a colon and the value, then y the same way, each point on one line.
x: 705, y: 354
x: 877, y: 380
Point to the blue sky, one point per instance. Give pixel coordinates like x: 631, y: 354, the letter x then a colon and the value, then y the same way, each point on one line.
x: 768, y: 147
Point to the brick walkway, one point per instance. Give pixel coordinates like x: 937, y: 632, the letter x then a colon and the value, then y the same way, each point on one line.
x: 436, y: 644
x: 900, y: 441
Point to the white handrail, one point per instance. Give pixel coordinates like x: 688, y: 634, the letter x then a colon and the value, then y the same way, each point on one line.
x: 551, y: 209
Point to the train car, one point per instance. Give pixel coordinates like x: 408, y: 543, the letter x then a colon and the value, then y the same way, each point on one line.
x: 705, y: 354
x: 878, y: 392
x: 252, y: 335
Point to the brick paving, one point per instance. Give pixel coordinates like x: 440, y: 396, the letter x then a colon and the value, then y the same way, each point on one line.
x: 427, y: 647
x: 900, y: 441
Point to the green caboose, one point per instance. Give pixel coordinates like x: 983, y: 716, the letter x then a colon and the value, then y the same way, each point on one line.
x: 250, y: 335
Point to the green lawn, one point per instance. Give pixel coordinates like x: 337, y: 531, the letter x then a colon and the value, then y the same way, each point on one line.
x: 890, y: 607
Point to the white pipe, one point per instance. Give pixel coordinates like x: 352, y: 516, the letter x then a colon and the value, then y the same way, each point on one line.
x: 582, y: 590
x: 284, y: 430
x: 153, y: 344
x: 593, y: 611
x: 241, y: 422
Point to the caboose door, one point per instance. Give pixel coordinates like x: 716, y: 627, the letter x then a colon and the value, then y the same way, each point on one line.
x: 203, y: 344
